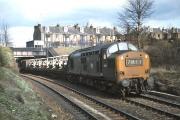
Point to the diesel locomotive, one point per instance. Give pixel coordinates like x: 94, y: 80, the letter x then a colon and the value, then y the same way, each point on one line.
x: 115, y: 67
x: 118, y: 66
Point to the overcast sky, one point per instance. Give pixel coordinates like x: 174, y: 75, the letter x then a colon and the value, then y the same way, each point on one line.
x: 22, y: 15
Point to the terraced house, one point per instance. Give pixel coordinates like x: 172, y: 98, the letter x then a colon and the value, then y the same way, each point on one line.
x: 164, y: 34
x: 55, y: 36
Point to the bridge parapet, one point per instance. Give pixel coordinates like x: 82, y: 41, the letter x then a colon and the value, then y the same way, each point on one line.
x: 29, y: 52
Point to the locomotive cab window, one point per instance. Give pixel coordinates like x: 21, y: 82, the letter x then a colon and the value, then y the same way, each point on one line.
x: 113, y: 48
x: 126, y: 46
x: 132, y: 47
x: 123, y: 46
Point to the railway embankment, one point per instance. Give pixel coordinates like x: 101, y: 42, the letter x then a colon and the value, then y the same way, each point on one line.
x: 17, y: 100
x: 166, y: 80
x: 165, y: 57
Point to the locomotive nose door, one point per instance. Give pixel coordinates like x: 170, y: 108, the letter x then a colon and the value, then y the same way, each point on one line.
x: 104, y: 63
x: 108, y: 65
x: 104, y: 59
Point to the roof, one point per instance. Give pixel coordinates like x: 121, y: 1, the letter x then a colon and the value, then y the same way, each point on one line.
x: 157, y: 30
x: 76, y: 30
x: 108, y: 31
x: 55, y: 29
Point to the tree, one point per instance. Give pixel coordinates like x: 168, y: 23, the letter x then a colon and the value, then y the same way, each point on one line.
x: 134, y: 15
x: 5, y: 34
x: 124, y: 23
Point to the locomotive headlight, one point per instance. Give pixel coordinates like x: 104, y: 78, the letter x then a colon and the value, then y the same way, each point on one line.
x: 125, y: 83
x: 146, y: 56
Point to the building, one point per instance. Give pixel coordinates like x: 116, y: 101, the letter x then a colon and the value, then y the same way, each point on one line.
x: 164, y: 34
x: 156, y: 33
x: 175, y: 33
x: 35, y: 44
x: 55, y: 36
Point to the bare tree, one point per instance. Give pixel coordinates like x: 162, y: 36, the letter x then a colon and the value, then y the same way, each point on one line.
x: 135, y: 13
x: 5, y: 33
x: 125, y: 24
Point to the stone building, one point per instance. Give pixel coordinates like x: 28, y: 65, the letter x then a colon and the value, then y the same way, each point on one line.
x: 156, y: 33
x: 175, y: 33
x: 164, y: 34
x: 55, y: 36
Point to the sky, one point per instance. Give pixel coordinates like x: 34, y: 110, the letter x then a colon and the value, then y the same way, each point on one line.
x: 22, y: 15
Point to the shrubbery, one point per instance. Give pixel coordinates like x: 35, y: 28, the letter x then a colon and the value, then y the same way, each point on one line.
x: 6, y: 57
x: 164, y: 54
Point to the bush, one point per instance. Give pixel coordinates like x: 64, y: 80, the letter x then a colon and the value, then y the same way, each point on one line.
x: 164, y: 53
x: 6, y: 57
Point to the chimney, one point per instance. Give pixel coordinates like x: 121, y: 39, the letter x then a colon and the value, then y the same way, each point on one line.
x: 114, y: 28
x: 91, y: 26
x: 39, y: 25
x: 57, y: 25
x: 76, y: 26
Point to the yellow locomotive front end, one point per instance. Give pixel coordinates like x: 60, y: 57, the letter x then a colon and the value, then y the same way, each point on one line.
x: 132, y: 70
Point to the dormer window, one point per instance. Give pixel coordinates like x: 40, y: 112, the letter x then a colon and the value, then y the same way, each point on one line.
x: 81, y: 29
x: 97, y: 30
x: 65, y: 29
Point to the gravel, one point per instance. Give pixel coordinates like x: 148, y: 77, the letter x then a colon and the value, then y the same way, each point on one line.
x: 116, y: 102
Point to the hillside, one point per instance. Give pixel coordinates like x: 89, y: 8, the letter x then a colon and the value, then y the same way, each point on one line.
x: 17, y: 99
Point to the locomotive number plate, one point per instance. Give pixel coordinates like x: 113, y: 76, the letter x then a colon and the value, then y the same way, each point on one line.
x: 134, y: 62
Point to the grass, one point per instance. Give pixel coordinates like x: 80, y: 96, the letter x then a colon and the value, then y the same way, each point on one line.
x: 17, y: 99
x: 6, y: 57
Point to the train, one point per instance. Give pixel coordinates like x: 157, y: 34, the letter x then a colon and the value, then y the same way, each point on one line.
x: 117, y: 67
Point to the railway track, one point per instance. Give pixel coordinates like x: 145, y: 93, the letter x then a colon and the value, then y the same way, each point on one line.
x: 157, y: 105
x: 86, y: 113
x: 172, y: 98
x: 161, y: 100
x: 153, y: 105
x: 92, y: 107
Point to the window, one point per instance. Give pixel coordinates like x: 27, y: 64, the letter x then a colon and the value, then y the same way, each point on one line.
x: 104, y: 56
x: 132, y: 47
x: 127, y: 46
x: 113, y: 48
x: 123, y: 46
